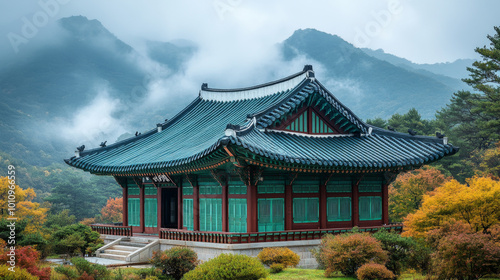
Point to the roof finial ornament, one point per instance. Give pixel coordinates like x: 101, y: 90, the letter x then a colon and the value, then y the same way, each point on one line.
x: 412, y: 132
x: 103, y: 144
x: 440, y: 135
x: 308, y: 67
x: 204, y: 86
x: 390, y: 128
x: 79, y: 150
x: 137, y: 133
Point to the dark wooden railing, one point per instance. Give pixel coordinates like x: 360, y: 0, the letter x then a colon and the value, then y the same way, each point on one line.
x: 112, y: 229
x: 236, y: 238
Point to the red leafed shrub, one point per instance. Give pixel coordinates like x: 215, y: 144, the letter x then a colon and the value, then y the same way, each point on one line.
x: 372, y: 271
x: 464, y: 254
x: 348, y: 252
x: 27, y: 257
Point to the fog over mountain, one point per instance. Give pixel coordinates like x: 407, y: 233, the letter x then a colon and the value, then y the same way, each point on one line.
x: 81, y: 84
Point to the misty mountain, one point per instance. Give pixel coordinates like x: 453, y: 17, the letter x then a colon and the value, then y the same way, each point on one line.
x: 44, y: 88
x: 173, y: 55
x: 371, y: 87
x: 456, y: 69
x: 94, y: 87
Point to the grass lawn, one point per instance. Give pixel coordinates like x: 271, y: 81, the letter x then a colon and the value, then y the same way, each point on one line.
x: 298, y: 273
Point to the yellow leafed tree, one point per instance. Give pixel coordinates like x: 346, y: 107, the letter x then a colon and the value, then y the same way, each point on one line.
x: 25, y: 207
x: 477, y: 203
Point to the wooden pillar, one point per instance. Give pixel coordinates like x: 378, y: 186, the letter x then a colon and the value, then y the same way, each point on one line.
x: 159, y: 211
x: 125, y: 205
x: 322, y: 206
x: 385, y: 204
x: 288, y: 207
x: 355, y: 202
x: 196, y: 206
x: 251, y: 208
x: 225, y: 202
x: 180, y: 209
x: 141, y: 201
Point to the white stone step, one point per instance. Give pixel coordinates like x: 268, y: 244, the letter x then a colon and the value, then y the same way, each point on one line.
x: 117, y: 252
x: 124, y: 248
x: 133, y: 244
x: 113, y: 257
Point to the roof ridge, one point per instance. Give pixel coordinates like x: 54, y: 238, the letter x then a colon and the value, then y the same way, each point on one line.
x: 380, y: 131
x: 258, y: 91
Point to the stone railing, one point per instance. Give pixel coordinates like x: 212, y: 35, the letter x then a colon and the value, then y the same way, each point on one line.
x: 236, y: 238
x: 112, y: 229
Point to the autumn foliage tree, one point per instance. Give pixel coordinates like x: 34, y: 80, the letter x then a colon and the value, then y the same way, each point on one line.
x: 112, y: 212
x: 489, y: 164
x: 407, y: 191
x: 476, y: 203
x: 26, y: 208
x: 462, y: 253
x: 26, y: 258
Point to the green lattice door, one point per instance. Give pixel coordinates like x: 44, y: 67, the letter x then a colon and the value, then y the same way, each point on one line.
x: 271, y: 214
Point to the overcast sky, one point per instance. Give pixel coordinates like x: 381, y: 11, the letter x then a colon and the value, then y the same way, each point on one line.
x: 426, y: 31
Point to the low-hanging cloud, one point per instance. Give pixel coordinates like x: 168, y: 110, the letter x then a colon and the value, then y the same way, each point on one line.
x: 96, y: 121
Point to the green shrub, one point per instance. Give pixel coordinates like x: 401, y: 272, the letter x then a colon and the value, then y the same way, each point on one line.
x: 404, y: 252
x: 176, y: 261
x: 372, y: 271
x: 228, y: 266
x: 97, y: 271
x: 276, y: 267
x: 348, y: 252
x: 67, y: 271
x: 281, y: 255
x: 148, y: 272
x: 19, y: 274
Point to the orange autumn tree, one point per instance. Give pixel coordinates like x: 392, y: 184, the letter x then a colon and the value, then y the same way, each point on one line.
x: 25, y: 207
x: 407, y: 191
x: 476, y: 203
x: 112, y: 212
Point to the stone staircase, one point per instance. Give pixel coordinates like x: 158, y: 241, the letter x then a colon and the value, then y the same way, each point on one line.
x: 125, y: 249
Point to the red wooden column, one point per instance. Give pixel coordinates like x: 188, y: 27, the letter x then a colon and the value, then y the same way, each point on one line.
x: 159, y: 212
x: 288, y: 207
x: 141, y: 199
x: 322, y: 206
x: 180, y: 211
x: 385, y: 204
x: 196, y: 206
x: 125, y: 205
x: 251, y: 208
x: 225, y: 202
x: 355, y: 202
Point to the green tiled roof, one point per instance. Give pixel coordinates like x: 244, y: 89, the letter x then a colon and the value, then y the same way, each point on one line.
x: 243, y: 118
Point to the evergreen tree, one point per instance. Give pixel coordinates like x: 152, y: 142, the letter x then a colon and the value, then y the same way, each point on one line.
x: 474, y: 118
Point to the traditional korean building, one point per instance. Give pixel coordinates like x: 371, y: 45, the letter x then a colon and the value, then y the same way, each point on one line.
x: 273, y: 160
